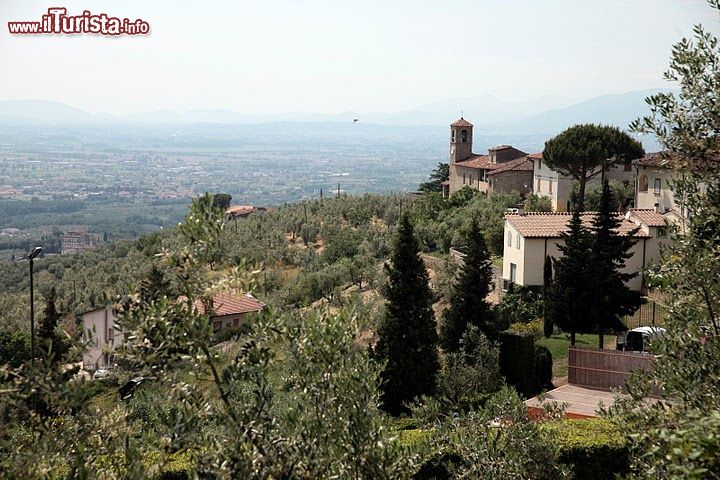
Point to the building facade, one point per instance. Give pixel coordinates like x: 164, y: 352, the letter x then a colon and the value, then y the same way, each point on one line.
x: 103, y: 336
x: 552, y: 184
x: 75, y: 242
x: 530, y: 237
x: 503, y: 169
x: 655, y: 175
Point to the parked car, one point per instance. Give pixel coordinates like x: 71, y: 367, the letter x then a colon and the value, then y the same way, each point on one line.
x: 101, y: 373
x: 638, y: 339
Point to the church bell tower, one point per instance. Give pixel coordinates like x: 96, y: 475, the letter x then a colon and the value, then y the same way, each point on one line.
x: 460, y: 140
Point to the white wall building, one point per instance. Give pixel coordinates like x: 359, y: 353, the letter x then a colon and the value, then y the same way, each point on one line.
x: 530, y: 237
x: 556, y: 186
x: 103, y: 337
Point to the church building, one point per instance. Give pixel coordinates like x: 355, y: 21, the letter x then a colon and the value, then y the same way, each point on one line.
x: 503, y: 169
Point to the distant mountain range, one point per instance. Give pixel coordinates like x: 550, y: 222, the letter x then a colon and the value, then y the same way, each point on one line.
x: 487, y: 113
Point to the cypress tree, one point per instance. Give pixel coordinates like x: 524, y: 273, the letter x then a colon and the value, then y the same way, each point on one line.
x: 49, y: 323
x: 407, y: 336
x: 154, y: 286
x: 468, y: 304
x: 610, y: 250
x: 547, y: 288
x: 572, y: 287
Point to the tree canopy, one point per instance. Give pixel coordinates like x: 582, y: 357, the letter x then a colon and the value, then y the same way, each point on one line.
x: 585, y: 151
x: 407, y: 336
x: 468, y: 304
x: 439, y: 175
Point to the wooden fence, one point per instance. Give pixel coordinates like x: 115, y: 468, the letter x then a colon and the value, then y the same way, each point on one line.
x: 604, y: 369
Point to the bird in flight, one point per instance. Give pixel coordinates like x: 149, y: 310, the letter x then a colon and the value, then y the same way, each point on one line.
x: 355, y: 120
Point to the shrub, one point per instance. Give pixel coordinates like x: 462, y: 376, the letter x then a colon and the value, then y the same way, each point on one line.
x: 517, y: 361
x: 543, y: 367
x: 534, y: 328
x: 469, y: 375
x: 521, y: 305
x: 594, y: 448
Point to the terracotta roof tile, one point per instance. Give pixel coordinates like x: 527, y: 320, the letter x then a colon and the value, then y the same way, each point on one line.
x: 649, y: 217
x: 499, y: 147
x: 227, y: 304
x: 478, y: 161
x: 657, y: 159
x: 522, y: 164
x: 536, y: 155
x: 240, y: 210
x: 461, y: 122
x: 552, y: 224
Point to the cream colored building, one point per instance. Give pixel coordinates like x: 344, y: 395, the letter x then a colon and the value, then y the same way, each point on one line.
x: 653, y: 188
x: 550, y: 183
x: 530, y: 237
x: 102, y: 336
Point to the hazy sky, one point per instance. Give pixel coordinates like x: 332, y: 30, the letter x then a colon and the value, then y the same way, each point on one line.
x: 284, y: 56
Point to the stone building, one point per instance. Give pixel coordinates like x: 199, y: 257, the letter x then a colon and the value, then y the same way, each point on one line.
x: 74, y: 242
x: 503, y: 169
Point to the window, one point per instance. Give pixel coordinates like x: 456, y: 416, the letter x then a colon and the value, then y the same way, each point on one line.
x: 643, y: 183
x: 538, y: 185
x: 517, y: 242
x: 550, y: 183
x: 658, y: 184
x: 539, y: 163
x: 509, y: 239
x: 463, y: 178
x: 453, y: 135
x: 463, y: 136
x: 513, y: 272
x: 662, y: 232
x: 471, y: 180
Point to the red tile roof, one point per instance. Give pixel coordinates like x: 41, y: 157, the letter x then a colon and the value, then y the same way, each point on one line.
x: 658, y: 160
x: 478, y: 161
x: 228, y: 304
x: 649, y: 217
x: 522, y: 164
x: 499, y: 147
x: 461, y: 122
x: 240, y: 210
x: 536, y: 155
x: 552, y: 224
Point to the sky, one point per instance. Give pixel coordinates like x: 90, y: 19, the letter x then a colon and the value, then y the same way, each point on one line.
x: 283, y: 56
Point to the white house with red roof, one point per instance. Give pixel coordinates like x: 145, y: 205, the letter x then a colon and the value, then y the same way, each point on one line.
x: 104, y: 337
x: 503, y: 169
x: 530, y: 237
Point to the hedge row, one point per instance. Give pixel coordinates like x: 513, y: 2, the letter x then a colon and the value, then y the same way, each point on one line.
x: 595, y: 448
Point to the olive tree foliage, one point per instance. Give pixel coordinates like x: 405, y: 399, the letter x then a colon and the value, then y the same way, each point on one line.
x: 468, y: 375
x: 236, y: 414
x: 497, y: 441
x: 677, y: 437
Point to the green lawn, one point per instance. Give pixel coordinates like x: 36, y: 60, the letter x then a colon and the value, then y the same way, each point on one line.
x: 558, y: 345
